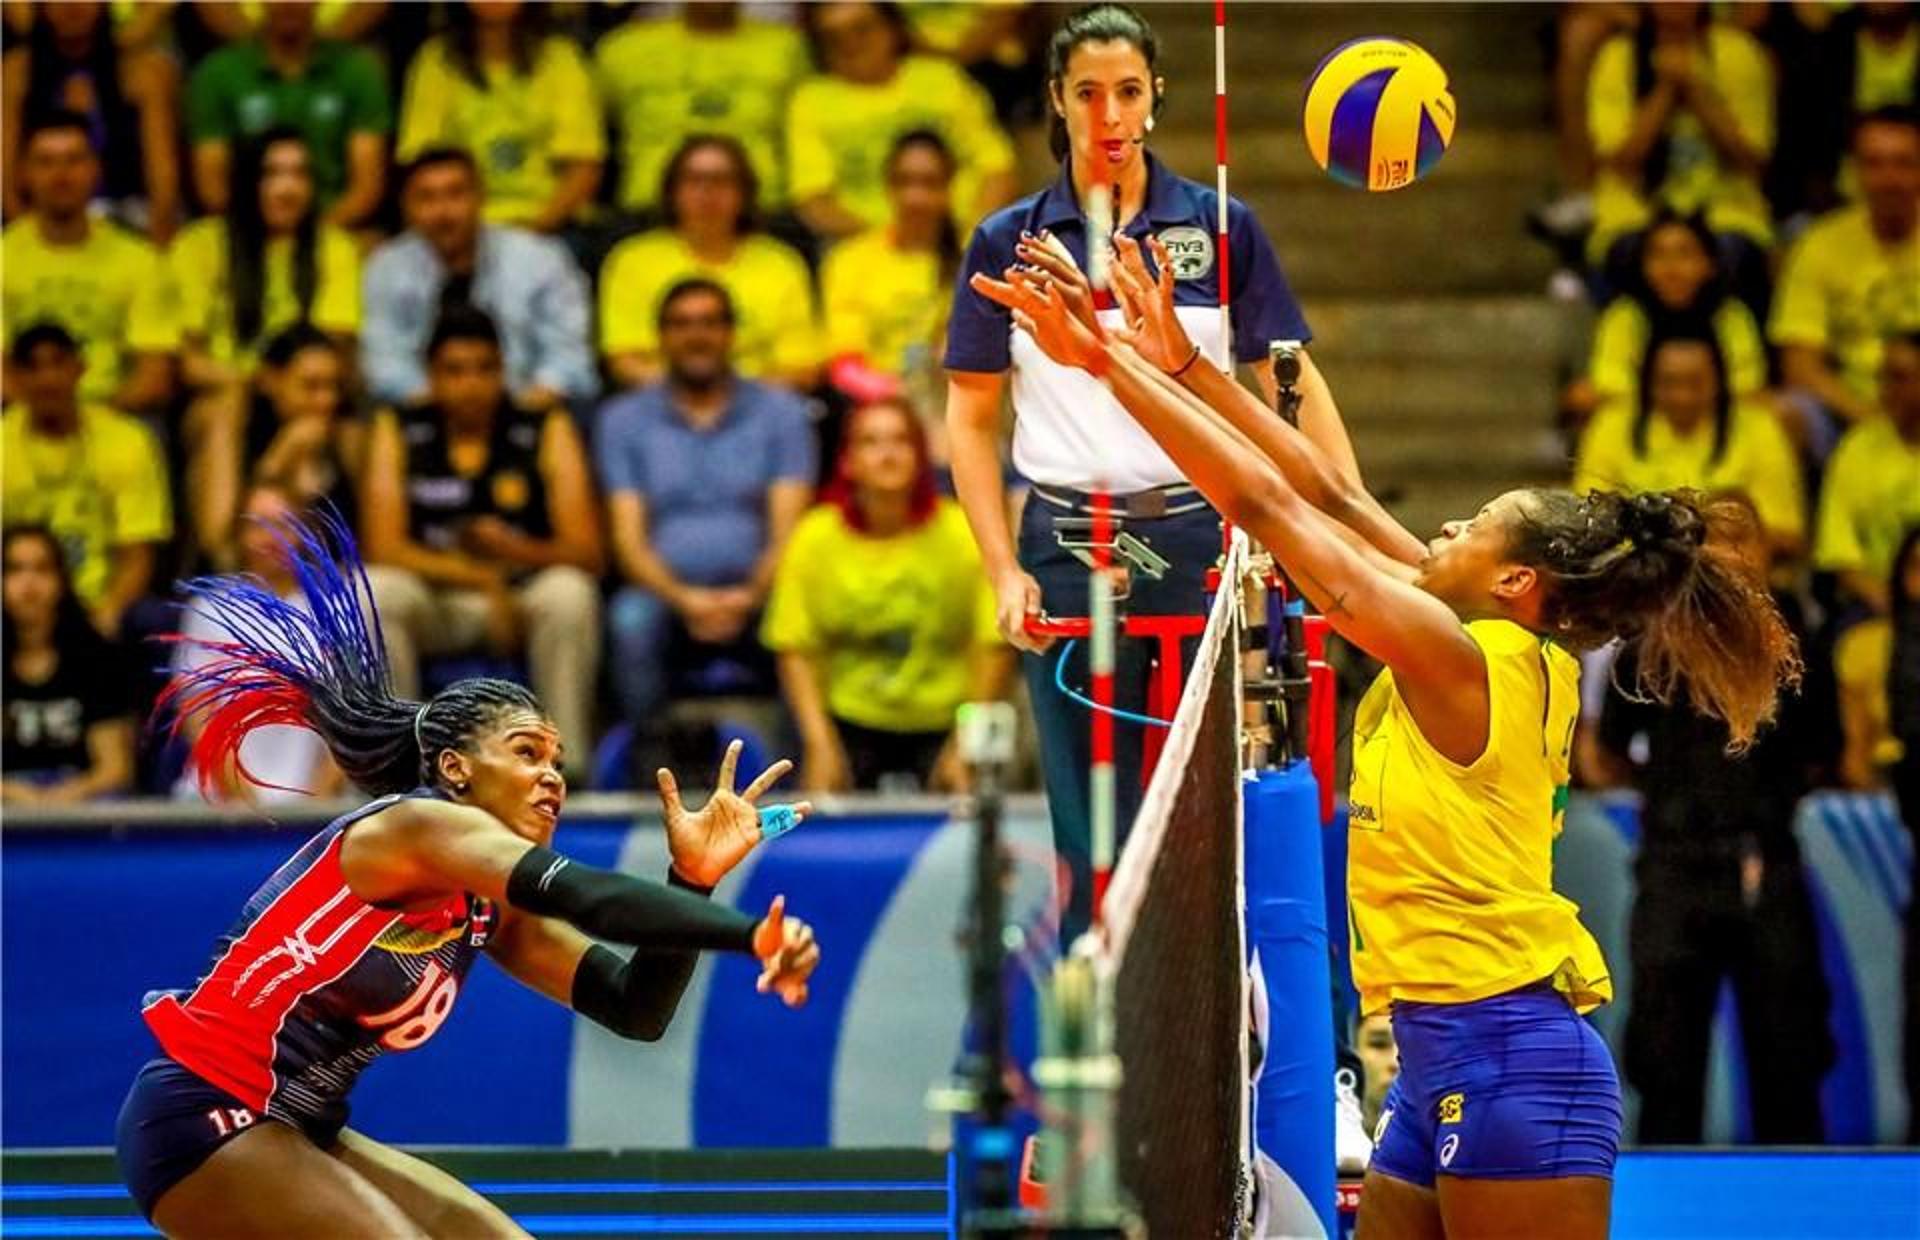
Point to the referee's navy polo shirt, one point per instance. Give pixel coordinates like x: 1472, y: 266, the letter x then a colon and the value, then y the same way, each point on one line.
x: 1068, y: 430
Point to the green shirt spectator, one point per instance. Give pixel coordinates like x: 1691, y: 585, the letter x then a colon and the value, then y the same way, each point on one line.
x: 333, y: 93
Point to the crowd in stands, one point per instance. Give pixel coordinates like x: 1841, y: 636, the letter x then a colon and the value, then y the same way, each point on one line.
x: 1742, y: 207
x: 1742, y: 211
x: 571, y: 339
x: 578, y: 330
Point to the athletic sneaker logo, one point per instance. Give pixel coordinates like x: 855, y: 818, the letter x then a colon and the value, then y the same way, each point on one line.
x: 1449, y: 1148
x: 1452, y: 1107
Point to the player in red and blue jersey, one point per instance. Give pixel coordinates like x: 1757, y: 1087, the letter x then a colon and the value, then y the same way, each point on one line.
x: 359, y: 944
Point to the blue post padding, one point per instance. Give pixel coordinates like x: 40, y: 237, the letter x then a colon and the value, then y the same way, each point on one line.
x: 1287, y: 936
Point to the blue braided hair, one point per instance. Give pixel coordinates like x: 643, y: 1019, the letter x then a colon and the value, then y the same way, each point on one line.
x: 323, y: 667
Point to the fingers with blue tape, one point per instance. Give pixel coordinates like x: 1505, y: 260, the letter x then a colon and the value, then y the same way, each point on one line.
x: 777, y: 820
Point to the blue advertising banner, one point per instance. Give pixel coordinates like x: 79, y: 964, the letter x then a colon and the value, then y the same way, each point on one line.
x: 93, y: 917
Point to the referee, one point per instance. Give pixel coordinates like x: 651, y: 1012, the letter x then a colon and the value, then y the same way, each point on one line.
x: 1071, y: 438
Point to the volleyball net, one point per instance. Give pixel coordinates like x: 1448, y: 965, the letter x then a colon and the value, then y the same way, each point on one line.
x: 1213, y: 1035
x: 1175, y: 960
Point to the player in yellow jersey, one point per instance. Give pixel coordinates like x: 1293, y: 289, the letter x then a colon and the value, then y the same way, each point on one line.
x: 1505, y: 1119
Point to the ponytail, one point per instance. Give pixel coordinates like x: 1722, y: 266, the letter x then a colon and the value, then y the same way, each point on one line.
x: 1667, y: 571
x: 323, y: 667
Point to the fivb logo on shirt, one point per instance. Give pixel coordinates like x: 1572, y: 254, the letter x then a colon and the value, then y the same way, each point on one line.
x: 1191, y: 251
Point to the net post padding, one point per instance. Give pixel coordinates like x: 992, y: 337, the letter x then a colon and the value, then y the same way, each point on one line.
x: 1174, y: 958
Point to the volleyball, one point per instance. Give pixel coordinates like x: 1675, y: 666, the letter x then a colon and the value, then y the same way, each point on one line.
x: 1378, y: 113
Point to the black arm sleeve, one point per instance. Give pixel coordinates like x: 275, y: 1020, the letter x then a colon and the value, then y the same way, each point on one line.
x: 635, y: 998
x: 623, y: 909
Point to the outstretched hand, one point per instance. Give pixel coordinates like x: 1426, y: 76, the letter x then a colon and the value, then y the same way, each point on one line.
x: 1147, y: 302
x: 707, y: 844
x: 1042, y: 313
x: 788, y: 954
x: 1056, y: 269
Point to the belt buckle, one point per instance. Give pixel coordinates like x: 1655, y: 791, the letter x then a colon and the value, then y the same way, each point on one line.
x: 1147, y: 505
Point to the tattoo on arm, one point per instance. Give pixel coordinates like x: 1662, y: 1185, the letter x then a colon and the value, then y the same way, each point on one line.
x: 1336, y: 602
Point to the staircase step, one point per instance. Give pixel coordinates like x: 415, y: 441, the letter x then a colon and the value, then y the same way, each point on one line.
x: 1409, y: 330
x: 1469, y: 394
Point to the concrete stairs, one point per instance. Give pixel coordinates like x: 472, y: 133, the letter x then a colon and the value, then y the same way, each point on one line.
x: 1427, y: 304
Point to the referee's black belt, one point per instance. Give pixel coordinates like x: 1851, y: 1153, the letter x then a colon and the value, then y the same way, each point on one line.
x: 1172, y: 500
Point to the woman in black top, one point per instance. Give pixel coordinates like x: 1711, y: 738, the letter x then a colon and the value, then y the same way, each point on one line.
x: 68, y: 724
x: 294, y: 439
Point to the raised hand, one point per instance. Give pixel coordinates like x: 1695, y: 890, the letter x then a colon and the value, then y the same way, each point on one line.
x: 707, y: 844
x: 788, y: 954
x: 1048, y: 253
x: 1147, y: 301
x: 1042, y: 313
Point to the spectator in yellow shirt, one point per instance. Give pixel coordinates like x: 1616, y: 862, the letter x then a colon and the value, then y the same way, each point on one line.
x: 845, y: 119
x: 1679, y: 282
x: 520, y: 100
x: 104, y: 285
x: 94, y: 477
x: 882, y: 617
x: 886, y: 291
x: 1688, y: 431
x: 1853, y: 278
x: 129, y: 95
x: 269, y: 264
x: 706, y: 70
x: 1871, y: 494
x: 713, y: 232
x: 1681, y: 112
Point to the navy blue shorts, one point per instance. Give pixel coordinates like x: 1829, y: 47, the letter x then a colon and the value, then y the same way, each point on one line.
x: 172, y: 1121
x: 1515, y: 1087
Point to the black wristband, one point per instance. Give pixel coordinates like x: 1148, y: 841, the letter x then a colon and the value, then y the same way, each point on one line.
x: 1186, y: 365
x: 623, y: 909
x: 634, y: 998
x: 676, y: 879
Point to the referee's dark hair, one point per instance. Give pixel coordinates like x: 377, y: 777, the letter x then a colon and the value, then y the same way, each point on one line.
x: 1096, y: 23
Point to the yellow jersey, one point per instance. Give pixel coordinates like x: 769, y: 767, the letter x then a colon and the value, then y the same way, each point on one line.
x: 1869, y: 497
x: 110, y: 292
x: 773, y: 333
x: 105, y: 486
x: 883, y: 303
x: 1842, y: 291
x: 839, y: 134
x: 517, y: 127
x: 1758, y: 462
x: 891, y: 620
x: 1450, y: 867
x: 203, y: 288
x: 1620, y: 346
x: 663, y: 83
x: 1737, y: 67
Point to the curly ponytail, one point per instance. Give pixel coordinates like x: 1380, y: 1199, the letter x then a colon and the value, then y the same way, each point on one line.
x: 1666, y: 571
x: 323, y: 667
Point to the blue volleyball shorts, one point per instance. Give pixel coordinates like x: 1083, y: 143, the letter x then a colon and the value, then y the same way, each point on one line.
x: 173, y: 1120
x: 1515, y: 1087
